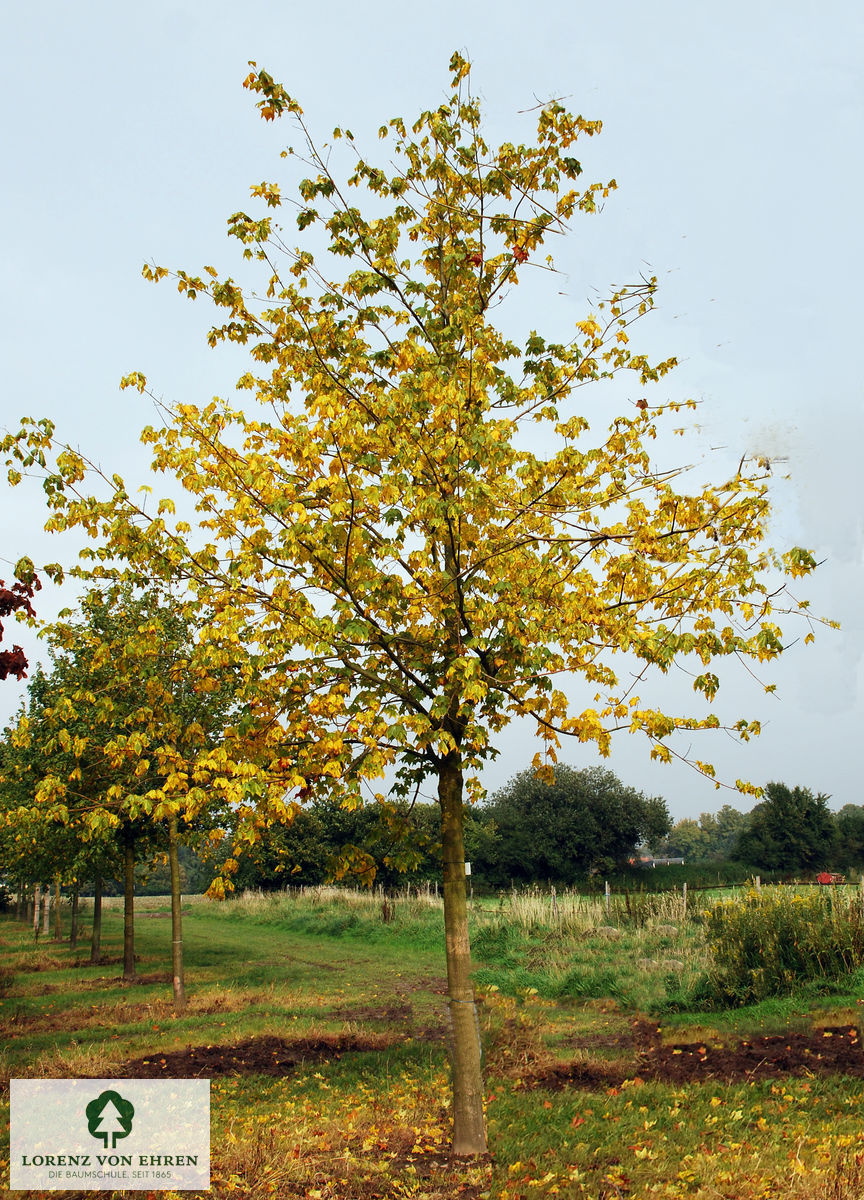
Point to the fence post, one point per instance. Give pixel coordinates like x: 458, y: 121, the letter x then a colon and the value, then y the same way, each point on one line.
x: 759, y: 884
x: 608, y: 894
x: 684, y: 893
x: 554, y: 903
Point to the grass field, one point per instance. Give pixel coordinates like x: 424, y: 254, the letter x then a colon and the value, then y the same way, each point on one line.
x: 331, y: 1024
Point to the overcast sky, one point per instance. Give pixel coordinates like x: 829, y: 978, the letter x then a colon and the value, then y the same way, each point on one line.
x: 734, y: 133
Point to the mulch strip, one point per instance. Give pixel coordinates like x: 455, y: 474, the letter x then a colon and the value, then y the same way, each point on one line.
x: 266, y: 1055
x: 833, y: 1050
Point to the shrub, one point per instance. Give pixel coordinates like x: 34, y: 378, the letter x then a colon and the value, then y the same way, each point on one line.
x: 778, y: 941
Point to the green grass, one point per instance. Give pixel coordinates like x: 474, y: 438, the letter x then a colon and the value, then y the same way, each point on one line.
x: 633, y: 952
x: 555, y: 985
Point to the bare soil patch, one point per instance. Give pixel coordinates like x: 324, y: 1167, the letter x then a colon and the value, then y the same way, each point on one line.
x: 395, y: 1013
x: 267, y: 1055
x: 833, y: 1050
x: 436, y: 984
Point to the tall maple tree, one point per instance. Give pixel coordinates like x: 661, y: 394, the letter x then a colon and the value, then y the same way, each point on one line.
x: 410, y: 524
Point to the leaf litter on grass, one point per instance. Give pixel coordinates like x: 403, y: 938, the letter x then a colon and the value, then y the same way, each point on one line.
x: 369, y: 1124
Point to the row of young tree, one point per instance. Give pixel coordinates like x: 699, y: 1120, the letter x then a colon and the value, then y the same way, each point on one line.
x: 407, y: 529
x: 116, y: 756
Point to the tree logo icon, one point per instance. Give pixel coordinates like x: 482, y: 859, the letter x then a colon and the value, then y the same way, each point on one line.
x: 110, y: 1116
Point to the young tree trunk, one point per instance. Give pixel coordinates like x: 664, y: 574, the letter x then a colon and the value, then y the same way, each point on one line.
x: 58, y: 925
x: 46, y: 911
x: 19, y: 902
x: 469, y: 1132
x: 37, y: 893
x: 96, y: 939
x: 129, y: 909
x: 176, y: 920
x: 73, y: 927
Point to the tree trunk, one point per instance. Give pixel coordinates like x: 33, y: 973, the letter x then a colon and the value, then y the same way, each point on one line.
x: 469, y: 1132
x: 73, y: 927
x: 129, y: 909
x: 176, y: 921
x: 37, y: 893
x: 96, y: 939
x: 58, y: 926
x: 19, y: 902
x: 46, y: 911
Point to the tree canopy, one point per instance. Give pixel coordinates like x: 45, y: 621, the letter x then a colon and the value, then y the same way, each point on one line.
x: 129, y: 722
x: 583, y: 820
x: 384, y: 470
x: 849, y: 824
x: 790, y: 829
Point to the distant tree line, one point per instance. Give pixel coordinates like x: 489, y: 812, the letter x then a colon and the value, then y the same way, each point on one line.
x: 585, y: 823
x: 791, y: 830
